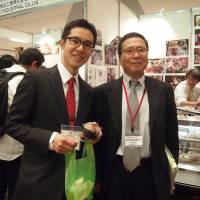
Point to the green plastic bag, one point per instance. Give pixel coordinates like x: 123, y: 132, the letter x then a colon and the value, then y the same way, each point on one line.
x: 80, y: 174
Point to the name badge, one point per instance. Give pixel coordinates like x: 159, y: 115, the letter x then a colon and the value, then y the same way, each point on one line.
x: 135, y: 140
x: 75, y: 132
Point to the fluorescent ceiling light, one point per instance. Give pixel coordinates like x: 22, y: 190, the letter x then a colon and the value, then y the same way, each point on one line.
x: 17, y: 40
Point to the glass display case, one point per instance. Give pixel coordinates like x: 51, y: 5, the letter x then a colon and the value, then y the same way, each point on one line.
x: 189, y: 145
x: 188, y: 177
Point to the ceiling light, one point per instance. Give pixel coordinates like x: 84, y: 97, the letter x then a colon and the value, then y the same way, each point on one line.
x: 162, y: 10
x: 17, y: 40
x: 44, y: 30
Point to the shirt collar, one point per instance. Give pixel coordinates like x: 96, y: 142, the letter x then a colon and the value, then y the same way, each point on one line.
x: 65, y: 74
x: 127, y: 78
x: 16, y: 68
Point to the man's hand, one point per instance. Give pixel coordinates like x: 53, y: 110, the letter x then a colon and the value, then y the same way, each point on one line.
x: 63, y: 143
x: 198, y: 102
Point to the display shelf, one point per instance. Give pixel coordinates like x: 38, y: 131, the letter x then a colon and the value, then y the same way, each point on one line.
x: 193, y: 167
x: 189, y: 139
x: 188, y: 111
x: 188, y: 177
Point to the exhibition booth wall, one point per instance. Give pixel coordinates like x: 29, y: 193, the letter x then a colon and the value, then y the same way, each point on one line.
x: 164, y: 31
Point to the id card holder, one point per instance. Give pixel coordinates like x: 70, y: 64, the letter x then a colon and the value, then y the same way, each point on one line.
x: 133, y: 139
x: 74, y: 132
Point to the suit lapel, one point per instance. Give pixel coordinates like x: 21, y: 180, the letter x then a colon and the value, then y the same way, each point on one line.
x: 153, y: 98
x: 56, y: 83
x: 115, y: 104
x: 82, y: 99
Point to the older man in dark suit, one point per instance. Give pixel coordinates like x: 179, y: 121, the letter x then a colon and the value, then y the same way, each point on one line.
x: 40, y: 107
x: 138, y: 116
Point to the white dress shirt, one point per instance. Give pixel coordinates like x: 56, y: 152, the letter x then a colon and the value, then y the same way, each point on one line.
x: 144, y: 128
x: 10, y: 148
x: 65, y: 76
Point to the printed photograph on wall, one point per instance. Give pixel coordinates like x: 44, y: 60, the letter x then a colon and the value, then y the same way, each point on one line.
x: 110, y: 55
x: 174, y: 80
x: 197, y: 37
x: 111, y: 73
x: 97, y: 57
x: 177, y: 47
x: 156, y: 66
x: 176, y: 65
x: 196, y: 55
x: 99, y: 38
x: 115, y: 41
x: 101, y: 75
x: 197, y: 20
x: 91, y: 78
x: 157, y: 77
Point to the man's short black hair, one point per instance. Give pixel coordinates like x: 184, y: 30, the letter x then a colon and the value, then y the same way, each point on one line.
x: 131, y: 35
x: 28, y: 56
x: 82, y: 23
x: 7, y: 61
x: 194, y: 73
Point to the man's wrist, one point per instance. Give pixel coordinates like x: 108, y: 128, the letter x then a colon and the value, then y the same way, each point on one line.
x: 52, y: 140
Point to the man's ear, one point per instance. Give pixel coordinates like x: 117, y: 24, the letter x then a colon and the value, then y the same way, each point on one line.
x: 34, y: 65
x: 62, y: 43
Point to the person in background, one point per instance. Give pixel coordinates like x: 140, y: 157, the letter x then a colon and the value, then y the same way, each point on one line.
x: 138, y: 117
x: 7, y: 61
x: 45, y: 100
x: 10, y: 149
x: 187, y: 93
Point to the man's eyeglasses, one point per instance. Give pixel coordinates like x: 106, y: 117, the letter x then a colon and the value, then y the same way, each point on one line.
x: 76, y: 42
x: 138, y: 50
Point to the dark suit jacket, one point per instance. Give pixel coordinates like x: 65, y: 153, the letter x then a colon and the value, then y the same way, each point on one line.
x: 38, y: 110
x: 163, y: 130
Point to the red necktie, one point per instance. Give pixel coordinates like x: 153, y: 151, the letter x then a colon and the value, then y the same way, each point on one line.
x: 70, y: 100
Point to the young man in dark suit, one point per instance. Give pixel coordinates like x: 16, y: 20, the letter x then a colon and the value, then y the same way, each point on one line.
x: 39, y: 108
x: 131, y: 159
x: 10, y: 149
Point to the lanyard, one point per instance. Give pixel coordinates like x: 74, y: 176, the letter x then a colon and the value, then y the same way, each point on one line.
x: 133, y: 115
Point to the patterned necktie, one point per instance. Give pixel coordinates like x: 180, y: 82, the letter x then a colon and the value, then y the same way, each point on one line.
x: 131, y: 158
x: 133, y: 102
x: 70, y: 100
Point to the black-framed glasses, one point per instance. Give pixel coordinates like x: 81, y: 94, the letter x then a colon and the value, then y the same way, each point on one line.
x: 138, y: 50
x: 76, y: 42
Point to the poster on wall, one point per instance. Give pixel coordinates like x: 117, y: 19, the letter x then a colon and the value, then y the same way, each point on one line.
x: 101, y: 75
x: 177, y: 47
x: 97, y: 75
x: 91, y: 76
x: 110, y: 55
x: 177, y: 65
x: 47, y: 43
x: 196, y: 55
x: 197, y: 37
x: 174, y: 80
x: 197, y: 20
x: 111, y: 73
x: 97, y: 57
x: 155, y: 66
x: 99, y: 38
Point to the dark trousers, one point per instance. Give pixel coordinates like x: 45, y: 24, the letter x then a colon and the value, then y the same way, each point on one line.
x: 9, y: 171
x: 135, y: 185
